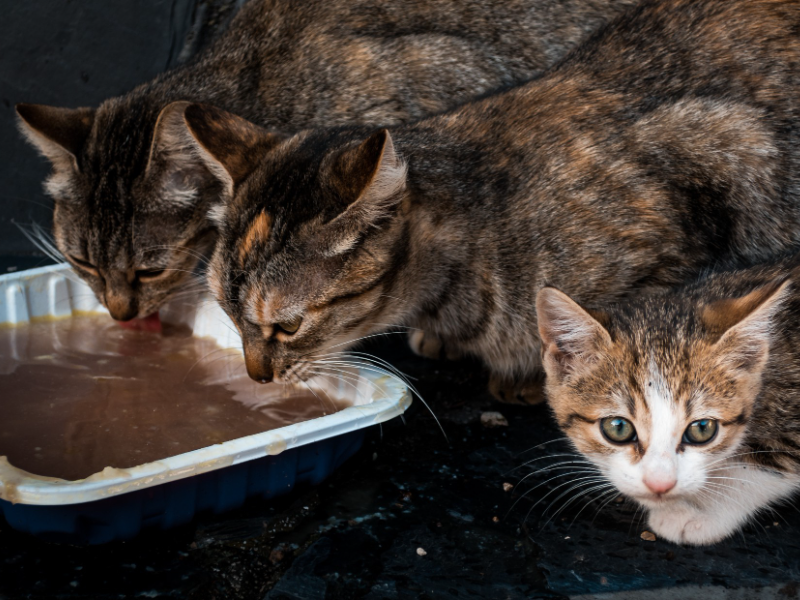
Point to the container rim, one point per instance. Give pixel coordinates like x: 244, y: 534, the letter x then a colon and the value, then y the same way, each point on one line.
x: 25, y: 295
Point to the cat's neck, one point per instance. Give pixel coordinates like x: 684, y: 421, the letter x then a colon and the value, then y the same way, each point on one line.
x: 446, y: 284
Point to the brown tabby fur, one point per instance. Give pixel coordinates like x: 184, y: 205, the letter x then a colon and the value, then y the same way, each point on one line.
x: 130, y: 199
x: 668, y: 142
x: 680, y: 330
x: 725, y: 347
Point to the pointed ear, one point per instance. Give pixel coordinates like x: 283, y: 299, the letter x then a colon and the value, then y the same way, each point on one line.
x: 194, y: 145
x: 572, y: 339
x: 746, y: 324
x: 230, y: 146
x: 371, y: 176
x: 58, y: 133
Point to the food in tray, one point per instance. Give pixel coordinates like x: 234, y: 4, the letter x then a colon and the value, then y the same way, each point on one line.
x: 81, y: 393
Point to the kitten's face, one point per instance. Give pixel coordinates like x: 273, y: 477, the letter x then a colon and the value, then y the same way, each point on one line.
x: 129, y: 212
x: 655, y: 435
x: 307, y: 246
x: 657, y: 395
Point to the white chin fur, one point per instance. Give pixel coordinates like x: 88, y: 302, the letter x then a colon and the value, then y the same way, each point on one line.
x: 710, y: 502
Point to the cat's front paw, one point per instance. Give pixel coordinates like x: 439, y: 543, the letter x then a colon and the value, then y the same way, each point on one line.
x: 687, y: 526
x: 669, y: 524
x: 428, y: 345
x: 425, y: 344
x: 516, y: 392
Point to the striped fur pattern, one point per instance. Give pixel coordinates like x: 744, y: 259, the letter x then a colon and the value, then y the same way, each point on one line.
x: 666, y: 143
x: 131, y: 198
x: 727, y: 348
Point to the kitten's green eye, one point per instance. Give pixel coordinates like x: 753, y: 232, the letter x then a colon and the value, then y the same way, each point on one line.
x: 149, y: 273
x: 84, y: 264
x: 290, y: 326
x: 618, y: 430
x: 700, y: 432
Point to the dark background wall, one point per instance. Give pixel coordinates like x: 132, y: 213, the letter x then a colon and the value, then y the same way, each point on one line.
x: 77, y: 53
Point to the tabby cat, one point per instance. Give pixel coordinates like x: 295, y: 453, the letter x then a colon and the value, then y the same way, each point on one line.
x: 666, y: 143
x: 130, y: 201
x: 687, y: 401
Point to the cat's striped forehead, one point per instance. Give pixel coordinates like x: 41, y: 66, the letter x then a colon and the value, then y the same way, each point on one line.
x: 111, y: 210
x: 669, y: 359
x: 303, y: 228
x: 659, y: 373
x: 256, y: 235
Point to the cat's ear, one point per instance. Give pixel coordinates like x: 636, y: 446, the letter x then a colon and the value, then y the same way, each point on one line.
x: 173, y: 163
x: 196, y: 143
x: 572, y: 339
x: 58, y: 133
x: 370, y: 177
x: 230, y: 146
x: 746, y: 325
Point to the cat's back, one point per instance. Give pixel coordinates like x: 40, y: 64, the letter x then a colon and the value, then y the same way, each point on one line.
x: 708, y: 45
x: 673, y: 96
x: 658, y: 53
x: 547, y: 27
x: 333, y: 62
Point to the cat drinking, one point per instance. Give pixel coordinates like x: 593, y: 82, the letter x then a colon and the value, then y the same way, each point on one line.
x: 663, y: 145
x: 131, y: 198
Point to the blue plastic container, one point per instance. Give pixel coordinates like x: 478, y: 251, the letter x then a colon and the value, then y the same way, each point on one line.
x: 177, y: 502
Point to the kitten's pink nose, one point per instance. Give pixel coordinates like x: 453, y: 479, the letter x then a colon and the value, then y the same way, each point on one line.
x: 660, y: 485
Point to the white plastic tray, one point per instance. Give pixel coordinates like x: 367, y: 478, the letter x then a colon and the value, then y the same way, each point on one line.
x: 56, y: 291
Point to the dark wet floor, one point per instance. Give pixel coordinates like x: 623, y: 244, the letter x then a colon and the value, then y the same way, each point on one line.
x: 413, y: 516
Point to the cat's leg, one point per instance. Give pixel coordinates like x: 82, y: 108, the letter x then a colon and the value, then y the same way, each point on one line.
x: 687, y: 524
x: 511, y: 391
x: 429, y: 345
x: 526, y: 389
x: 698, y: 526
x: 735, y: 495
x: 425, y: 344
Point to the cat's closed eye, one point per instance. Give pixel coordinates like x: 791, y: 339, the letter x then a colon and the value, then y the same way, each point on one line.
x: 148, y: 274
x: 83, y: 264
x: 291, y: 326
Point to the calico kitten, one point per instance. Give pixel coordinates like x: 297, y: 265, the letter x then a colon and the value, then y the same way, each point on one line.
x: 131, y: 199
x: 666, y: 143
x: 687, y: 401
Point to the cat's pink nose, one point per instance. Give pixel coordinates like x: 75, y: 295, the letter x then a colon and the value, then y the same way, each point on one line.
x: 660, y: 485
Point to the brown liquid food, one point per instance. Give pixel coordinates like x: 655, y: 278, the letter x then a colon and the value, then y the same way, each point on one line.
x: 81, y: 394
